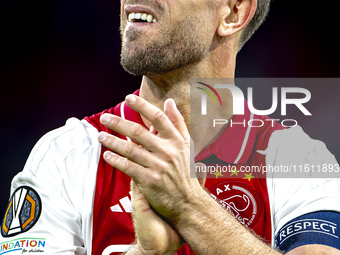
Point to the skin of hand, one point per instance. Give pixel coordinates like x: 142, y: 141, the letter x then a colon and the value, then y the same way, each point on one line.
x: 160, y: 166
x: 154, y: 234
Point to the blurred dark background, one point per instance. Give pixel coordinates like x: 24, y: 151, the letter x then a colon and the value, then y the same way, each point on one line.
x: 60, y: 59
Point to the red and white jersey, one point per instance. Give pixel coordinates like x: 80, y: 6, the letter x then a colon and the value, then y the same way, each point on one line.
x: 68, y: 200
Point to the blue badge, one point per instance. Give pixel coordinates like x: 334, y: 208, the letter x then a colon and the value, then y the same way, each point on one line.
x: 312, y: 228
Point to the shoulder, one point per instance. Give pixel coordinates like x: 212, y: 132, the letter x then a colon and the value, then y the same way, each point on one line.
x: 267, y: 126
x: 300, y: 176
x: 61, y: 143
x: 293, y: 146
x: 60, y: 175
x: 64, y: 159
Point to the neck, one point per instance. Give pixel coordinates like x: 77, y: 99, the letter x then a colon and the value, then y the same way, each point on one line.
x: 176, y: 85
x: 157, y: 94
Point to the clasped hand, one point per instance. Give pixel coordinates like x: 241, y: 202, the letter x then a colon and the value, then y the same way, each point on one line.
x: 159, y: 165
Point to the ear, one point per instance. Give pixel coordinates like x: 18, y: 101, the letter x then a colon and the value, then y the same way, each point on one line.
x: 237, y: 17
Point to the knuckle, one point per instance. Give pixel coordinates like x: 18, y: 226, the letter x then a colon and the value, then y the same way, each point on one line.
x: 155, y: 179
x: 170, y: 154
x: 129, y: 148
x: 136, y: 130
x: 110, y: 142
x: 115, y: 161
x: 115, y: 121
x: 124, y: 163
x: 142, y: 104
x: 113, y: 138
x: 176, y: 122
x: 159, y: 116
x: 162, y: 167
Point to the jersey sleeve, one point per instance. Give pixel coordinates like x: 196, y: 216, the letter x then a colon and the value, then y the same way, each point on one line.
x: 295, y: 185
x: 50, y: 208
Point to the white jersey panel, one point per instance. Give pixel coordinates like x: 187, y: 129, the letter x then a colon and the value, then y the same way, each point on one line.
x: 293, y: 197
x: 61, y: 169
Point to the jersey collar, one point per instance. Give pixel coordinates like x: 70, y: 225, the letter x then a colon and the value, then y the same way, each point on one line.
x: 125, y: 112
x: 236, y: 143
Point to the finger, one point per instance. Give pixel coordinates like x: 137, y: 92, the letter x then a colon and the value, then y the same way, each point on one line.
x: 127, y: 149
x: 201, y: 173
x: 159, y: 120
x: 131, y: 129
x: 135, y: 171
x: 152, y: 130
x: 176, y: 118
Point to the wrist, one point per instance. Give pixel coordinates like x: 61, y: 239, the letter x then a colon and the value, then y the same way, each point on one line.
x: 196, y: 204
x: 201, y: 211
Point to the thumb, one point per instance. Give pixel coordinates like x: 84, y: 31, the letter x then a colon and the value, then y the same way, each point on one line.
x: 201, y: 173
x: 139, y: 202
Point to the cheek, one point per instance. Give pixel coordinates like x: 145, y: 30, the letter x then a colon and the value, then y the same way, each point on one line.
x: 205, y: 11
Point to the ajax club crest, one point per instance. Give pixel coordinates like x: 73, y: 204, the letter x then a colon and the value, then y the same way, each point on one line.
x: 240, y: 199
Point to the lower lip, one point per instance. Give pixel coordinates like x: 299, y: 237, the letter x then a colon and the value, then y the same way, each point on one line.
x: 140, y: 24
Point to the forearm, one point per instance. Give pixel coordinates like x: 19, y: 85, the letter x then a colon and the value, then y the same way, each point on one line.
x: 210, y: 229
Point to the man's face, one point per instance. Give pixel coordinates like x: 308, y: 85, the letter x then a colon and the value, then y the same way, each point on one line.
x: 175, y: 33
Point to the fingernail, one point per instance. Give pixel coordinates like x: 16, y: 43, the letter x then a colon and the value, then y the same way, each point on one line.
x: 130, y: 99
x: 108, y: 154
x: 102, y: 136
x: 105, y: 118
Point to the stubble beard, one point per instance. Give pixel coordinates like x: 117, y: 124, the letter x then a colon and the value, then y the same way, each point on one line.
x: 185, y: 43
